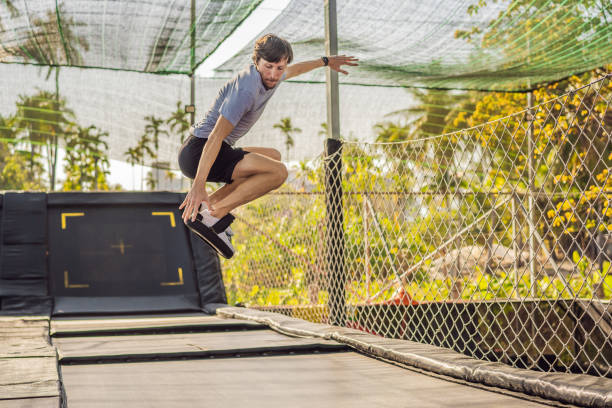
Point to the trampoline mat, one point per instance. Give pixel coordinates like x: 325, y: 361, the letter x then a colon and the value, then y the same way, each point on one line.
x: 313, y: 380
x: 100, y: 348
x: 84, y: 325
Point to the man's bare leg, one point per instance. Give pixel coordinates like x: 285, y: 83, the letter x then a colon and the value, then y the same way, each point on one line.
x: 225, y: 190
x: 265, y: 151
x: 259, y: 175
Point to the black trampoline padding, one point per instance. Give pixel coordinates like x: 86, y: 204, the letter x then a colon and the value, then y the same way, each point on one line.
x: 102, y: 253
x: 68, y: 305
x: 24, y: 218
x: 139, y: 250
x: 24, y: 261
x: 314, y: 380
x: 106, y: 324
x: 63, y: 199
x: 112, y: 348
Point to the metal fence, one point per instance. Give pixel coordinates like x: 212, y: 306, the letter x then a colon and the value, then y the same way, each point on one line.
x: 494, y: 241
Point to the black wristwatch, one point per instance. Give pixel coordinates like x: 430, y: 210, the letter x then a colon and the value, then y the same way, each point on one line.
x: 325, y: 60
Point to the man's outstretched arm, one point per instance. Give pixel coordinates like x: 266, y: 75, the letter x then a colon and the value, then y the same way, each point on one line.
x: 335, y: 62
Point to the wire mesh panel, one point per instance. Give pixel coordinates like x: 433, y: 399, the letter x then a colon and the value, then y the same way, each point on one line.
x: 492, y: 45
x: 147, y: 36
x: 495, y: 241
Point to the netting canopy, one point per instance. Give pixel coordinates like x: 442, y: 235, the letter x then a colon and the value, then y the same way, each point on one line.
x: 143, y: 35
x: 478, y: 44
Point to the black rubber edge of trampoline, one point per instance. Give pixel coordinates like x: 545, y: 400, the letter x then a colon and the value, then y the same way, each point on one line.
x: 116, y: 198
x: 194, y: 328
x: 578, y: 389
x: 193, y: 355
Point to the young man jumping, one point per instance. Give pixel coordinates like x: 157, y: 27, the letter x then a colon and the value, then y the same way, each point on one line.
x: 208, y: 154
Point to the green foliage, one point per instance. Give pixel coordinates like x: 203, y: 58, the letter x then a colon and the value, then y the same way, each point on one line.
x: 537, y: 32
x: 86, y: 164
x: 281, y: 259
x: 178, y: 122
x: 147, y: 147
x: 14, y: 170
x: 287, y: 129
x: 42, y: 119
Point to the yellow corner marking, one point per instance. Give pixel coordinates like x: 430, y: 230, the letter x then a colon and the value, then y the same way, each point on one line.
x: 170, y: 214
x: 180, y: 281
x: 67, y: 283
x: 66, y: 215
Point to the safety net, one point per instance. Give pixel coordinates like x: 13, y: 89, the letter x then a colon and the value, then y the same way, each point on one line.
x: 139, y: 120
x: 469, y: 220
x: 494, y: 241
x: 479, y: 44
x: 147, y: 36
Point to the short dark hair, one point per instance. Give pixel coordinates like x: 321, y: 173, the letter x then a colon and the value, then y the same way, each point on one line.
x: 273, y: 49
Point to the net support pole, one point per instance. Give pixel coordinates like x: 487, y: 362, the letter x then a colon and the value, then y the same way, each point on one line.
x: 531, y: 198
x: 516, y: 246
x: 334, y: 238
x: 192, y: 65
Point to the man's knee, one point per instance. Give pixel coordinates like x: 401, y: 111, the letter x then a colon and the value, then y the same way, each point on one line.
x: 275, y: 154
x: 281, y: 174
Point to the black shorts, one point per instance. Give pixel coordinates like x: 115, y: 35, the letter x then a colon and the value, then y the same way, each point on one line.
x: 223, y: 167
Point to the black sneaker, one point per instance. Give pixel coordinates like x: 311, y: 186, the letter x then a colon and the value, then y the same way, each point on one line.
x: 214, y: 232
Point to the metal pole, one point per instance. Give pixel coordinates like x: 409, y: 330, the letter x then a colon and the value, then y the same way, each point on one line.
x: 334, y: 251
x: 530, y: 198
x: 516, y: 246
x: 366, y: 246
x: 331, y: 48
x: 192, y: 65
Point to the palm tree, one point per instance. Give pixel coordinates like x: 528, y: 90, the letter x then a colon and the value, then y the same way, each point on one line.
x: 151, y: 181
x: 60, y: 47
x: 139, y: 153
x: 144, y: 149
x: 41, y: 120
x: 286, y: 127
x: 154, y: 130
x: 97, y: 152
x: 13, y: 167
x: 430, y: 117
x: 86, y: 161
x: 323, y: 130
x: 12, y: 11
x: 178, y: 121
x: 133, y: 157
x: 7, y: 129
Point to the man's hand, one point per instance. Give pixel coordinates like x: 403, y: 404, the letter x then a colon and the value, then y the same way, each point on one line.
x: 196, y: 196
x: 336, y: 61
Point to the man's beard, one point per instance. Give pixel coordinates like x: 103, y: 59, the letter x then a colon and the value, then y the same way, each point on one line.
x: 267, y: 86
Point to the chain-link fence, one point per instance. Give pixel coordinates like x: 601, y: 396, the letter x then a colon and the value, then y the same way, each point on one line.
x: 494, y: 241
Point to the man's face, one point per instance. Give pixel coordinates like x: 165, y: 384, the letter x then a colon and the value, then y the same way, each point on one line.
x: 271, y: 72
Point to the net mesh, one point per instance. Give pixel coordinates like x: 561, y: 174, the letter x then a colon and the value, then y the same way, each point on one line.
x: 486, y: 45
x: 495, y: 240
x: 146, y: 36
x: 38, y: 105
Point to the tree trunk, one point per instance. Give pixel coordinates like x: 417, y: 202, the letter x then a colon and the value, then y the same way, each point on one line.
x: 55, y: 137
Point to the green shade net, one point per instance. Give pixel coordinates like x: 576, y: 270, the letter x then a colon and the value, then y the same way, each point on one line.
x: 147, y: 36
x: 476, y: 44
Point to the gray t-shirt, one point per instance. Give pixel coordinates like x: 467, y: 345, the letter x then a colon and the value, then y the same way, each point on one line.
x: 241, y: 101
